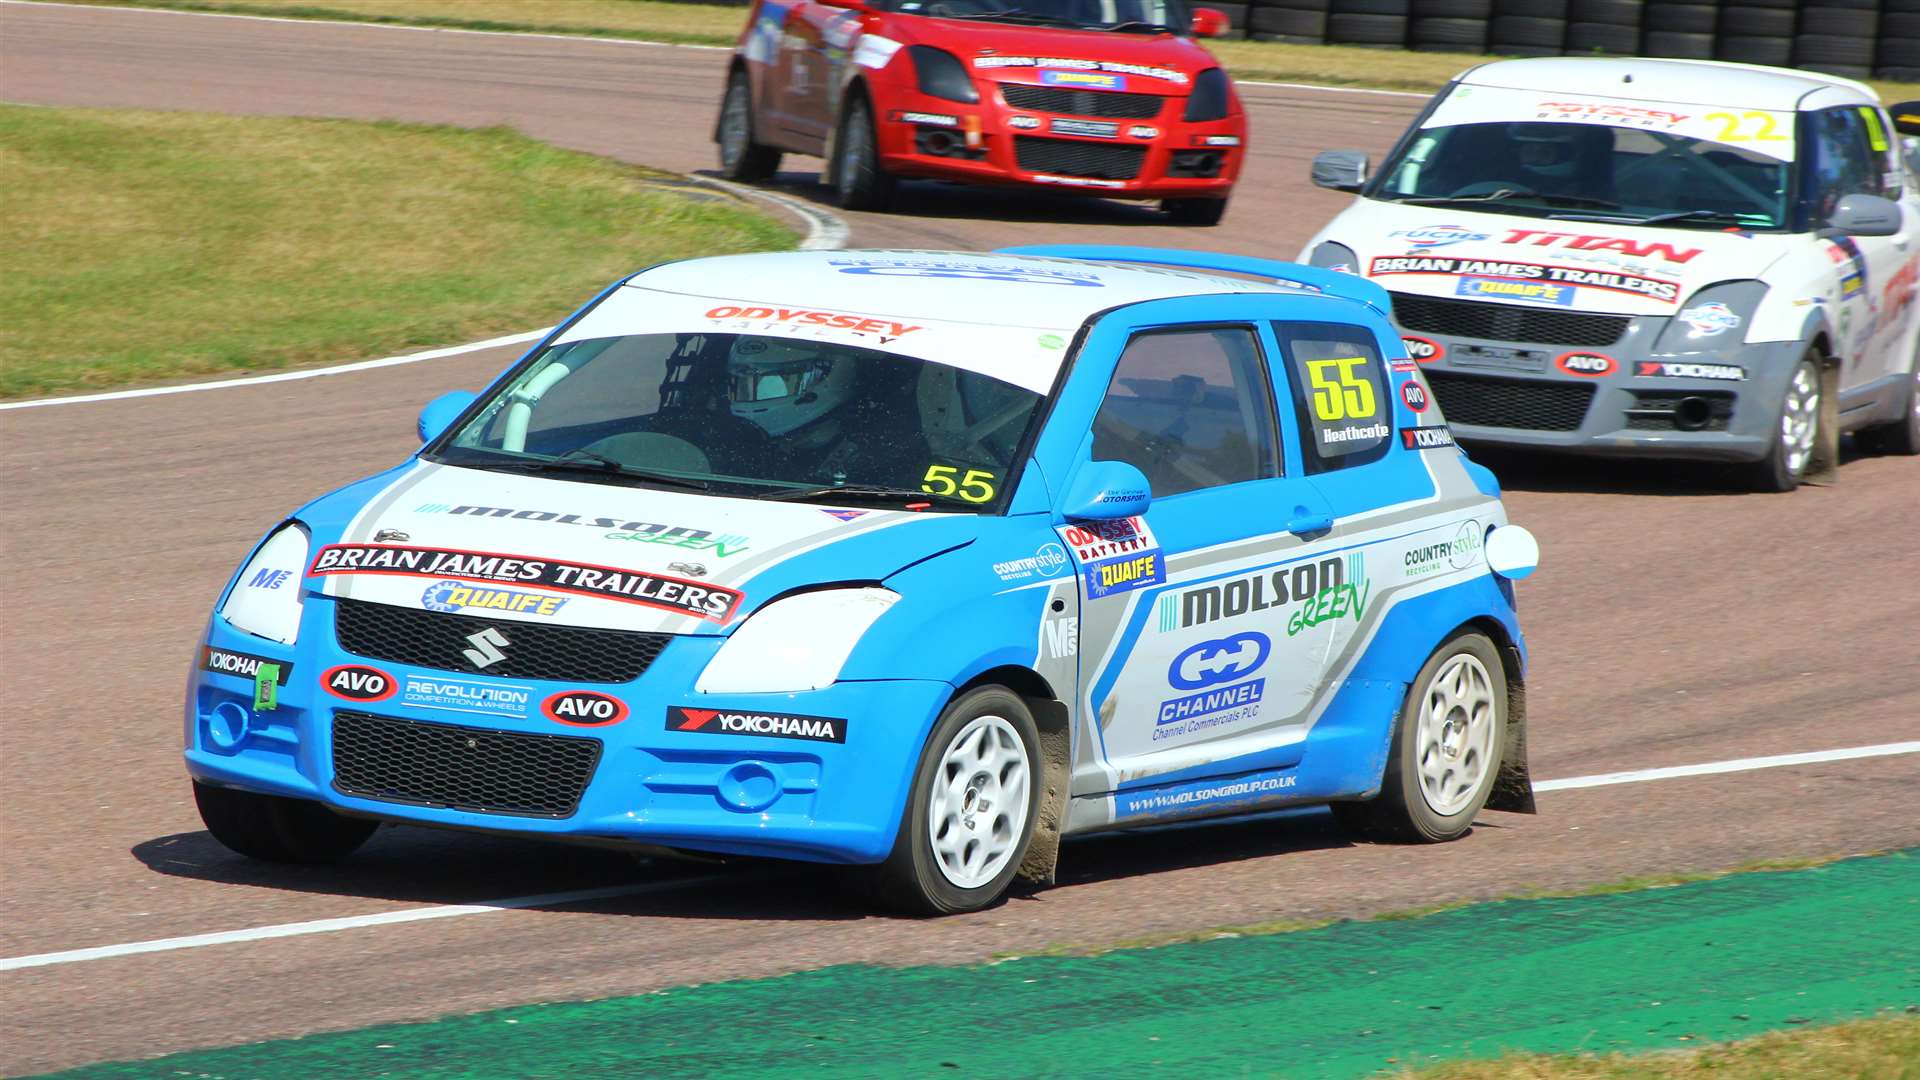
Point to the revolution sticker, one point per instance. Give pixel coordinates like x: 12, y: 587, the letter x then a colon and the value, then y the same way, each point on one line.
x: 776, y: 725
x: 481, y: 696
x: 691, y: 598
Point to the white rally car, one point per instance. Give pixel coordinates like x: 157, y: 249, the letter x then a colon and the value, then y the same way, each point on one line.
x: 1650, y: 257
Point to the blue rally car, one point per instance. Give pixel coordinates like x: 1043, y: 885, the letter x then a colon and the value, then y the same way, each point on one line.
x: 917, y: 561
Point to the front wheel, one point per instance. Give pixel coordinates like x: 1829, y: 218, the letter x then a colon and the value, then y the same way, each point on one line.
x: 278, y: 829
x: 1447, y: 748
x: 859, y: 182
x: 970, y: 813
x: 1796, y: 432
x: 1195, y: 211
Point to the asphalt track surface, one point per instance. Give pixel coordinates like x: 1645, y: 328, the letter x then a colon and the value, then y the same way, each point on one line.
x: 1671, y: 623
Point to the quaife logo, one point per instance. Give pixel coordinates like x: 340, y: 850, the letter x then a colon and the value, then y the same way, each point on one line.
x: 778, y: 725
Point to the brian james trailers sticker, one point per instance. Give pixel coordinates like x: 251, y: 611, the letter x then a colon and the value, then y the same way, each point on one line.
x: 1609, y: 280
x: 691, y: 598
x: 778, y: 725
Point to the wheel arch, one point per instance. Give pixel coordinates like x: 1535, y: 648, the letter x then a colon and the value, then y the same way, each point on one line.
x: 1513, y: 788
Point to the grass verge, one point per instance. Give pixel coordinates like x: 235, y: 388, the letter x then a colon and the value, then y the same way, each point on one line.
x: 148, y: 246
x: 1886, y: 1048
x: 712, y: 24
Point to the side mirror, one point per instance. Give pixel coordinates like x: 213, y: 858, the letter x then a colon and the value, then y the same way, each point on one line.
x: 1210, y: 22
x: 1341, y: 170
x: 442, y: 411
x: 1106, y: 491
x: 1906, y: 117
x: 1863, y: 215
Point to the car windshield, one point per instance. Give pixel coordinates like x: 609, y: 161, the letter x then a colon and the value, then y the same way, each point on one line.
x: 1589, y: 172
x: 1121, y: 15
x: 753, y: 416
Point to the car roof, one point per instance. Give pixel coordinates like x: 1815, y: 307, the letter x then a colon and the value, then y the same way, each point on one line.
x: 1691, y: 81
x: 951, y: 286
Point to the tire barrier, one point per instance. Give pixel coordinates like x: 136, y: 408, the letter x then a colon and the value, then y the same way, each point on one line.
x: 1855, y: 38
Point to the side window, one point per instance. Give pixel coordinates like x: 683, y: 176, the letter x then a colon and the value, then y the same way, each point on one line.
x: 1340, y: 388
x: 1885, y: 144
x: 1841, y: 160
x: 1191, y: 409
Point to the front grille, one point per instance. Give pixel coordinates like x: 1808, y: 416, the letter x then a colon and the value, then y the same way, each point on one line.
x: 462, y: 768
x: 1510, y: 403
x: 436, y: 639
x: 1505, y: 322
x: 1106, y: 104
x: 1065, y: 157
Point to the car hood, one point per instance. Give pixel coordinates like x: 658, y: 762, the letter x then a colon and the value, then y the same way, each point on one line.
x: 1619, y: 269
x: 1146, y: 63
x: 642, y: 558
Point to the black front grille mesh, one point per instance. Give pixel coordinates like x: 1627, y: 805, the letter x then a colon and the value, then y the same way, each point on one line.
x: 1066, y: 157
x: 1510, y: 403
x: 437, y: 639
x: 1106, y: 104
x: 493, y: 772
x: 1505, y: 322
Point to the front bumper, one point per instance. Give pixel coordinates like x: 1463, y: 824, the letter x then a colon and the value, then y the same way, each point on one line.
x: 736, y: 794
x: 1155, y: 157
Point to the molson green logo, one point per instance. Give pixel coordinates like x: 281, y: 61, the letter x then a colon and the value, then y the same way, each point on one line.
x: 1347, y: 598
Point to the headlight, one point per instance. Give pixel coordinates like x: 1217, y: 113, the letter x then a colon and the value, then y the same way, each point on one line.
x: 265, y: 599
x: 795, y: 643
x: 941, y: 74
x: 1210, y: 96
x: 1713, y: 319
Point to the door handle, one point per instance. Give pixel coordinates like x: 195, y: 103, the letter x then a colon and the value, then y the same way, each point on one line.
x: 1305, y: 523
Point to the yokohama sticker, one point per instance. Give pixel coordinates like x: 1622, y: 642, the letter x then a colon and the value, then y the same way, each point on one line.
x: 1422, y: 350
x: 691, y: 598
x: 1426, y: 438
x: 244, y: 665
x: 1666, y: 369
x: 358, y: 682
x: 584, y: 708
x: 1586, y: 363
x: 777, y: 725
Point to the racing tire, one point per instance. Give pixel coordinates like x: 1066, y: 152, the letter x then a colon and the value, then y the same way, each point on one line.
x: 277, y: 829
x: 1749, y: 20
x: 1677, y: 45
x: 1681, y: 18
x: 1194, y: 211
x: 1797, y: 431
x: 1288, y: 23
x: 1446, y: 751
x: 1900, y: 437
x: 1448, y: 35
x: 1537, y: 35
x: 1366, y: 29
x: 970, y: 812
x: 1753, y: 49
x: 859, y: 181
x: 1604, y: 39
x: 740, y: 157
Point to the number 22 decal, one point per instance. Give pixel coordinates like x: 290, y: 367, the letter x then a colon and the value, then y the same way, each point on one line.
x: 1730, y: 132
x: 975, y: 486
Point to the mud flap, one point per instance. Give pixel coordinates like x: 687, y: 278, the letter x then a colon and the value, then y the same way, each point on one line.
x: 1824, y: 468
x: 1513, y: 788
x: 1043, y: 851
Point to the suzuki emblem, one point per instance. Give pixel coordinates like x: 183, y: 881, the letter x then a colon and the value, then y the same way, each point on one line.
x: 486, y: 647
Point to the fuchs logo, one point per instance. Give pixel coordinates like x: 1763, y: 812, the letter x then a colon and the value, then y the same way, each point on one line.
x: 584, y: 708
x: 1426, y: 438
x: 1413, y: 396
x: 777, y: 725
x: 357, y: 682
x: 1433, y: 236
x: 1221, y: 660
x: 1422, y: 350
x: 1586, y: 363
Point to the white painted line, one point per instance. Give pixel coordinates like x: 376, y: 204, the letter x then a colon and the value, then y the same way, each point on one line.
x: 1301, y: 86
x: 350, y: 922
x: 1640, y: 776
x: 826, y: 230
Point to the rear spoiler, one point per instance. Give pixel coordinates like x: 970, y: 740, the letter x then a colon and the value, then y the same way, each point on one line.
x: 1318, y: 279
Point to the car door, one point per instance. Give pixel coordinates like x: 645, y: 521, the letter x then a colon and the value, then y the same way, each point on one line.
x: 817, y: 36
x: 1185, y: 663
x: 1851, y: 152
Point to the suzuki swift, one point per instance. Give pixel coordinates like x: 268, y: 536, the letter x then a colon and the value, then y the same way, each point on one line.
x: 908, y: 561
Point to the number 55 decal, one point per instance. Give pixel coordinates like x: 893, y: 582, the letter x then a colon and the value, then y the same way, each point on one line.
x: 1339, y: 393
x: 975, y: 486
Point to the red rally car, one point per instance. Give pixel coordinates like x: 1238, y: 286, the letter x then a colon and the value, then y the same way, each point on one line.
x: 1108, y: 97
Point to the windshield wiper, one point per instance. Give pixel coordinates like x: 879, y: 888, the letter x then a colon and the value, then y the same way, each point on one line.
x: 1705, y: 217
x: 863, y: 492
x: 1135, y: 25
x: 596, y: 464
x: 1505, y: 194
x: 1015, y: 14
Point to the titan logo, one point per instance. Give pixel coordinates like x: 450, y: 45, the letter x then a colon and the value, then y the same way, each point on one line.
x: 486, y: 647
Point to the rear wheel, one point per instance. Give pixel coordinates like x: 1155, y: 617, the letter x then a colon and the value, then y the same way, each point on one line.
x: 1195, y: 211
x: 858, y: 180
x: 278, y: 829
x: 740, y: 157
x: 1901, y: 436
x: 1446, y: 749
x: 1796, y: 432
x: 969, y: 815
